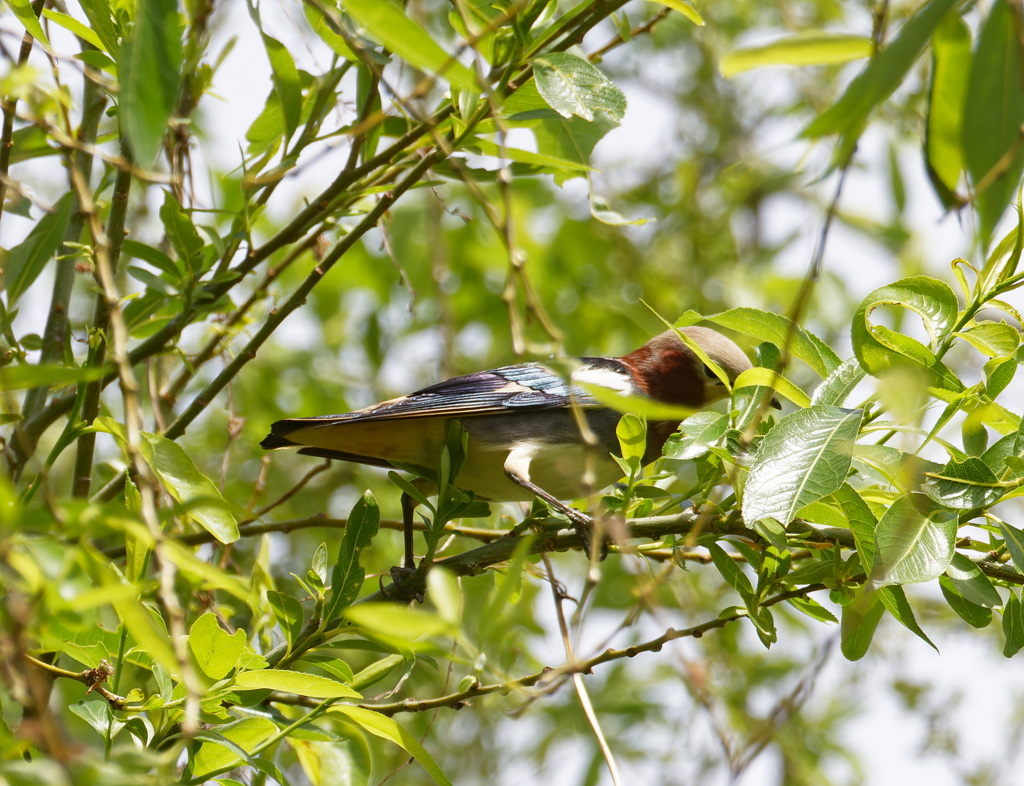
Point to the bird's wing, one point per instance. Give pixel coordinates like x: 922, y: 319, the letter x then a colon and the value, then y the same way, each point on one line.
x: 516, y: 388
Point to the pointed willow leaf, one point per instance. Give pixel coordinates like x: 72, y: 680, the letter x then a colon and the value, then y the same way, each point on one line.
x: 30, y: 376
x: 731, y: 572
x: 1013, y: 626
x: 489, y: 148
x: 804, y: 458
x: 811, y: 47
x: 964, y: 485
x: 388, y: 729
x: 1014, y: 540
x: 23, y: 10
x: 848, y: 116
x: 971, y: 583
x: 289, y: 614
x: 347, y: 576
x: 974, y: 615
x: 879, y: 349
x: 285, y: 76
x: 776, y: 329
x: 570, y: 140
x: 184, y: 482
x: 993, y: 115
x: 995, y: 339
x: 150, y: 73
x: 387, y: 23
x: 857, y: 627
x: 766, y: 377
x: 572, y: 86
x: 837, y: 386
x: 914, y: 542
x: 22, y: 265
x: 294, y: 682
x: 682, y: 7
x: 895, y: 601
x: 951, y: 49
x: 246, y: 734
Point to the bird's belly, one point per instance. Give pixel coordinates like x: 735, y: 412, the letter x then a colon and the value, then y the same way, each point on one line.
x: 559, y: 457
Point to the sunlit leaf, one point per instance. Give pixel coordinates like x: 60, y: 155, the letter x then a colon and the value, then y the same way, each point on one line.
x: 951, y: 49
x: 216, y: 652
x: 386, y: 23
x: 811, y: 47
x: 246, y: 734
x: 347, y: 575
x: 857, y: 627
x: 804, y: 458
x: 914, y: 542
x: 572, y: 86
x: 310, y: 685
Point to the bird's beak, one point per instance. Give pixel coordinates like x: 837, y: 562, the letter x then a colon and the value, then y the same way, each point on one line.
x: 776, y: 404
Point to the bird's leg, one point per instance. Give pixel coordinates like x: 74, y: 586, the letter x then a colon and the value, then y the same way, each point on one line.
x: 409, y: 562
x: 517, y: 468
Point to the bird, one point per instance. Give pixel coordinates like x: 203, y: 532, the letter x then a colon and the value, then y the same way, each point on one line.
x: 524, y: 440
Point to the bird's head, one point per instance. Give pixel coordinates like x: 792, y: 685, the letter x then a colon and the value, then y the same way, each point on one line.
x: 669, y: 371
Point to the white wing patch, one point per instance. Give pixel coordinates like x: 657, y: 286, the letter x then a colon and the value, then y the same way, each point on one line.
x: 605, y: 378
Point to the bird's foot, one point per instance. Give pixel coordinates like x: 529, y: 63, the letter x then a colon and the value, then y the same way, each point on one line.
x: 396, y: 591
x: 584, y: 526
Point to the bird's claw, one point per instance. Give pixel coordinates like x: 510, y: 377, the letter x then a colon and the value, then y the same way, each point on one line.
x: 584, y: 526
x: 396, y: 591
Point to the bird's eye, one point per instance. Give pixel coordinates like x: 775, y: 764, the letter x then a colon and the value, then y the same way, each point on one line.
x: 710, y: 374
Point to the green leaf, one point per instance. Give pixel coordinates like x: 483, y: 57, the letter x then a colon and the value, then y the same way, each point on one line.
x: 569, y: 140
x: 572, y: 86
x: 993, y: 115
x: 387, y: 24
x: 765, y: 377
x: 399, y: 624
x: 837, y: 386
x: 246, y: 734
x: 28, y: 143
x: 23, y: 263
x: 995, y: 339
x: 181, y: 232
x: 347, y: 576
x: 286, y: 82
x: 638, y: 405
x: 387, y: 729
x: 699, y: 433
x: 848, y: 116
x: 731, y: 572
x: 23, y: 10
x: 971, y: 583
x: 29, y: 376
x: 488, y: 148
x: 330, y: 664
x: 183, y: 481
x: 857, y: 628
x: 951, y: 50
x: 150, y: 72
x: 880, y: 349
x: 964, y: 485
x: 96, y: 714
x: 631, y: 432
x: 775, y: 329
x: 682, y: 7
x: 76, y: 27
x: 895, y: 601
x: 861, y: 521
x: 914, y: 542
x: 1013, y: 626
x: 1014, y: 540
x: 156, y: 258
x: 323, y: 29
x: 813, y: 609
x: 974, y: 615
x: 376, y: 671
x: 216, y: 652
x: 296, y: 682
x: 804, y: 458
x: 289, y: 614
x: 101, y: 22
x: 811, y: 47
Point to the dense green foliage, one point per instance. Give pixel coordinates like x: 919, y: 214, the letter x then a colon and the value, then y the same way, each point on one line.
x: 179, y: 607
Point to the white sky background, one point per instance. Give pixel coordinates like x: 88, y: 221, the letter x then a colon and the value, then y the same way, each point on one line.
x: 888, y: 742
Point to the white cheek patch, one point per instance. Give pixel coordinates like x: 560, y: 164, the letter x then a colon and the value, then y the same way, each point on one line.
x: 605, y: 378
